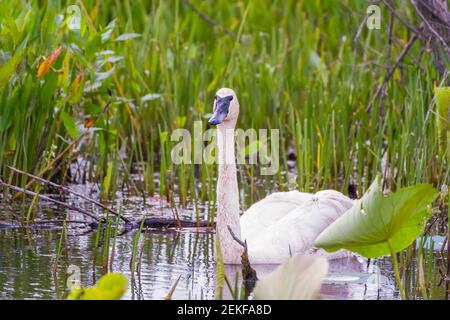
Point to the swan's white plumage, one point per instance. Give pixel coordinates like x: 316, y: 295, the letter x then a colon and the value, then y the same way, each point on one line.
x: 288, y: 223
x: 282, y: 224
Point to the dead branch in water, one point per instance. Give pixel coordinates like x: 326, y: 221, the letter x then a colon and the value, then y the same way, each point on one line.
x: 62, y: 204
x: 151, y: 222
x: 242, y: 243
x: 166, y: 223
x: 126, y: 220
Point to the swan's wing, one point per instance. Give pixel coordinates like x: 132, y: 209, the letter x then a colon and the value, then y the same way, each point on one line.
x: 270, y: 210
x: 296, y: 232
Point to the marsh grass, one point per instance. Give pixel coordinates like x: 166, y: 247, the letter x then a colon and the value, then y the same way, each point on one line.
x: 292, y: 69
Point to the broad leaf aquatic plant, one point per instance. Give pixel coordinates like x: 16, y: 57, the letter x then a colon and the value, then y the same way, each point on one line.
x: 111, y: 286
x: 380, y: 224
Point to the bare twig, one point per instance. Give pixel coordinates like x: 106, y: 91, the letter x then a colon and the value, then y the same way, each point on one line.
x: 62, y: 204
x: 208, y: 20
x: 430, y: 27
x: 61, y: 221
x: 391, y: 71
x: 243, y: 244
x: 165, y: 223
x: 249, y: 275
x: 126, y: 220
x: 390, y: 32
x: 400, y: 18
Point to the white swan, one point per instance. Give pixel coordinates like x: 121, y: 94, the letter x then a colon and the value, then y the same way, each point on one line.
x: 282, y: 224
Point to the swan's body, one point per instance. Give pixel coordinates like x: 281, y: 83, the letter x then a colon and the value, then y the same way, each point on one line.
x: 287, y: 223
x: 282, y: 224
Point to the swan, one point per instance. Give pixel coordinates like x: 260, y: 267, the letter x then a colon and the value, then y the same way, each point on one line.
x: 276, y: 227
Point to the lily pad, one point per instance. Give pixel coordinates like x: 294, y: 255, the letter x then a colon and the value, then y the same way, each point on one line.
x: 378, y: 224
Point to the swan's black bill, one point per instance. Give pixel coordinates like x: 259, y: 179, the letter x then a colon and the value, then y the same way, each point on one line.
x: 221, y: 110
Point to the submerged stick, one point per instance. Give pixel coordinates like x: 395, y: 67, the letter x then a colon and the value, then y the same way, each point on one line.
x: 248, y: 273
x: 126, y: 220
x: 34, y: 194
x: 162, y: 222
x: 242, y: 243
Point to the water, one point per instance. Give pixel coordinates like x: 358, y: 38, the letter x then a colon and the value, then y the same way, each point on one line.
x: 27, y: 257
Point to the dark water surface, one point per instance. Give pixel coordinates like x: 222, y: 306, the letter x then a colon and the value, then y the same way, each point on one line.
x: 27, y: 258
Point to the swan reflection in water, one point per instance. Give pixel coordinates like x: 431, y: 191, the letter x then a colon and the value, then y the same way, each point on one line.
x: 348, y: 279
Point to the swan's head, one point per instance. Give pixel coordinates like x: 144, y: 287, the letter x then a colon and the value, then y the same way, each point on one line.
x: 226, y: 108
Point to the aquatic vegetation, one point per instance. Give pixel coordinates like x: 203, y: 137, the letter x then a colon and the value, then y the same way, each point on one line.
x: 443, y: 120
x: 220, y: 271
x: 380, y: 224
x: 111, y: 286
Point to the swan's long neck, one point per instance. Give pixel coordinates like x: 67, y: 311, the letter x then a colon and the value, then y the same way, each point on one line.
x: 228, y: 197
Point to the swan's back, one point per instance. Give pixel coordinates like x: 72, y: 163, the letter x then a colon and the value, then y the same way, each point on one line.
x: 286, y: 224
x: 270, y: 210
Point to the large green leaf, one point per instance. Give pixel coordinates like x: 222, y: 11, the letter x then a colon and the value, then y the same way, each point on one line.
x: 298, y: 278
x: 111, y: 286
x: 377, y: 221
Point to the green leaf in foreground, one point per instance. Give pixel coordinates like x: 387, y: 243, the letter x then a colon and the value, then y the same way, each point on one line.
x: 298, y: 278
x: 378, y: 224
x: 111, y: 286
x: 7, y: 70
